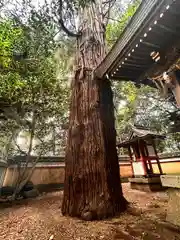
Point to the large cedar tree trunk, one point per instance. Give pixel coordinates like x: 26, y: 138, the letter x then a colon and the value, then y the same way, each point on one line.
x: 92, y: 188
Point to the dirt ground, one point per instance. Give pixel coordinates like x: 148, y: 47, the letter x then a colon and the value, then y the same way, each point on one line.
x: 41, y: 219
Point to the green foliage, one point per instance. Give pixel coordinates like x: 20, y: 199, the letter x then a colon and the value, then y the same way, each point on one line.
x: 9, y: 37
x: 32, y: 86
x: 114, y: 29
x: 146, y: 108
x: 125, y: 97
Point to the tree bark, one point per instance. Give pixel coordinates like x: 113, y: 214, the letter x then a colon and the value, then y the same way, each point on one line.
x: 92, y: 182
x: 92, y: 188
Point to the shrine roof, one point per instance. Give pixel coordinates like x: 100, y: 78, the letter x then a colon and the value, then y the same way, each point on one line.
x: 142, y: 132
x: 154, y: 27
x: 139, y: 134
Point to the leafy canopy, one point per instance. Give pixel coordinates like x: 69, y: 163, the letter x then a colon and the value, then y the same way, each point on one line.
x: 9, y: 38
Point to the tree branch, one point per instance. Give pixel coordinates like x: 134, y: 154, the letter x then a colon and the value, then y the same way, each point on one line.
x: 106, y: 14
x: 61, y: 22
x: 67, y: 31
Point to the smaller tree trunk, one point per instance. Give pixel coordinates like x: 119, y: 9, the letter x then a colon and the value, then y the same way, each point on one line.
x: 25, y: 177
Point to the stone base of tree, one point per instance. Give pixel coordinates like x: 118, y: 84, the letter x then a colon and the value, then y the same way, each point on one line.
x: 173, y: 210
x: 149, y: 184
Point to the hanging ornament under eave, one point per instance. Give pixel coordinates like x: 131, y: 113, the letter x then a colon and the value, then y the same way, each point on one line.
x: 161, y: 85
x: 155, y: 56
x: 173, y: 82
x: 167, y: 80
x: 159, y: 81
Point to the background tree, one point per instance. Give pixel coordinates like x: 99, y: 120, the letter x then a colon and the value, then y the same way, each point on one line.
x: 119, y: 18
x: 33, y: 93
x: 145, y: 107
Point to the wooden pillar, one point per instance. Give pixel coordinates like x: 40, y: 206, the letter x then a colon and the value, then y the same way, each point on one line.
x: 131, y: 160
x: 142, y: 159
x: 157, y: 158
x: 149, y: 161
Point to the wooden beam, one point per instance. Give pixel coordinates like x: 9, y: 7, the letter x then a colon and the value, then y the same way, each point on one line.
x: 124, y: 77
x: 148, y: 82
x: 151, y: 45
x: 129, y: 72
x: 140, y: 57
x: 121, y: 78
x: 175, y: 11
x: 172, y: 55
x: 143, y: 61
x: 146, y: 12
x: 134, y: 65
x: 167, y: 29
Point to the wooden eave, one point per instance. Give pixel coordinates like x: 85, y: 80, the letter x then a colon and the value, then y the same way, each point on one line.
x: 139, y: 134
x: 154, y: 27
x: 133, y: 140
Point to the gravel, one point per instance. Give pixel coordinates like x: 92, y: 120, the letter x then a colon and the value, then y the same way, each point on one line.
x: 41, y: 219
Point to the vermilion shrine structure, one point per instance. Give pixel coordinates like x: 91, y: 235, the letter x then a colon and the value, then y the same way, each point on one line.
x: 141, y: 146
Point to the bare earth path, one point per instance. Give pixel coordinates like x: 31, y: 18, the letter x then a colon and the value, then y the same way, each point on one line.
x: 41, y: 218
